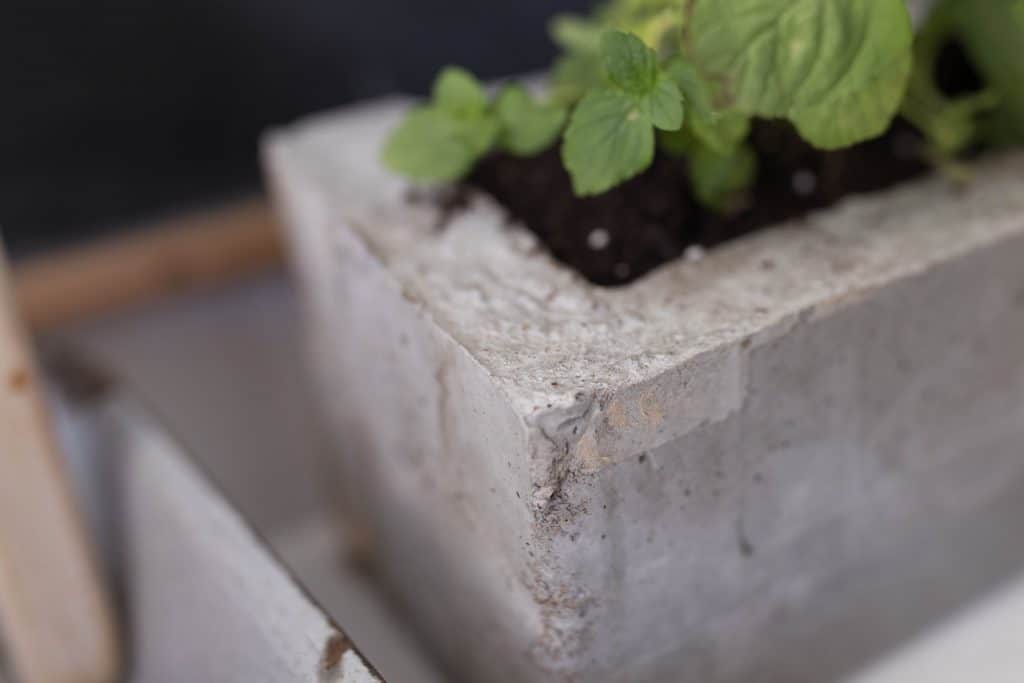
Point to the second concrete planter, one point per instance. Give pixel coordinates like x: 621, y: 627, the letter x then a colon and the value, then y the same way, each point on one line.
x: 766, y: 465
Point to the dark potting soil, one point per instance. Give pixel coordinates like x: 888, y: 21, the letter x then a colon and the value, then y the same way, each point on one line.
x: 617, y: 237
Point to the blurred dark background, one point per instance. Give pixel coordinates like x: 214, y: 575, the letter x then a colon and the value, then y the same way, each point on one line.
x: 115, y: 110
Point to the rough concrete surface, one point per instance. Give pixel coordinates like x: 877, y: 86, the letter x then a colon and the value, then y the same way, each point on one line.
x: 779, y: 459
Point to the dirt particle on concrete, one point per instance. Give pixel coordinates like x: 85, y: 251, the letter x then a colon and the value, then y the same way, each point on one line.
x: 745, y: 546
x: 336, y: 647
x: 412, y: 297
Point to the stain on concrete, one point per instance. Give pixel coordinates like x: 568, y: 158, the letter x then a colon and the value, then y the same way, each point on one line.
x: 651, y: 409
x: 742, y: 540
x: 335, y: 648
x: 618, y: 417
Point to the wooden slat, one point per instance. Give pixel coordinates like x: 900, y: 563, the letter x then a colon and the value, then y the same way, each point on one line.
x: 57, y: 623
x: 179, y: 254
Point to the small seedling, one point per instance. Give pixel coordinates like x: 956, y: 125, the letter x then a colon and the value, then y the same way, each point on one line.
x: 688, y: 76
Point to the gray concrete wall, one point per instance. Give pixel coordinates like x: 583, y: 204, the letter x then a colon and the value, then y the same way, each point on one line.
x: 729, y: 462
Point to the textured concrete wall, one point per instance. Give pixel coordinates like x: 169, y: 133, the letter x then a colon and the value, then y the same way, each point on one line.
x: 432, y: 454
x: 695, y: 477
x: 860, y: 433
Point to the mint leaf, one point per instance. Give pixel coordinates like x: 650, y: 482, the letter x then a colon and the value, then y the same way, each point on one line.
x: 992, y: 33
x: 720, y: 130
x: 655, y: 22
x: 855, y: 114
x: 693, y: 87
x: 949, y: 124
x: 573, y: 75
x: 664, y: 104
x: 458, y: 92
x: 575, y: 34
x: 528, y: 128
x: 609, y: 140
x: 432, y: 146
x: 719, y: 180
x: 629, y: 64
x: 579, y: 68
x: 610, y: 137
x: 661, y: 29
x: 723, y: 133
x: 720, y: 166
x: 441, y: 141
x: 836, y: 68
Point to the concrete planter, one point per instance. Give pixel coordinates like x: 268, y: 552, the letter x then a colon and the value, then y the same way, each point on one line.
x: 772, y: 462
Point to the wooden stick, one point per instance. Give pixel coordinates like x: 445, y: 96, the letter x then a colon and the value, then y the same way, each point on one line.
x: 179, y: 254
x: 54, y: 614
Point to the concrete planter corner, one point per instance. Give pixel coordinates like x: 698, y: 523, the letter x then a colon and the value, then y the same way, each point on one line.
x: 778, y: 460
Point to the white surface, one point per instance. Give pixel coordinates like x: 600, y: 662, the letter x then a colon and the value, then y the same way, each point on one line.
x: 984, y: 645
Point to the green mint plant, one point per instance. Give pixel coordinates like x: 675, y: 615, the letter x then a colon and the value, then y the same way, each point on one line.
x: 526, y: 127
x: 443, y: 139
x: 836, y: 69
x: 992, y: 34
x: 949, y: 124
x: 688, y: 77
x: 610, y: 137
